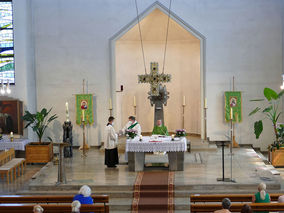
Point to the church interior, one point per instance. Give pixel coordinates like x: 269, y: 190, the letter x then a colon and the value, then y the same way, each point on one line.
x: 141, y: 106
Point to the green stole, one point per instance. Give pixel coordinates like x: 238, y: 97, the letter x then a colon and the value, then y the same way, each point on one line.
x: 133, y: 125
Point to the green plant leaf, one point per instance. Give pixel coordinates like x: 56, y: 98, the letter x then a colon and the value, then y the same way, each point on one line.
x: 267, y: 109
x: 270, y: 94
x: 254, y: 111
x: 280, y: 93
x: 258, y: 128
x: 257, y: 100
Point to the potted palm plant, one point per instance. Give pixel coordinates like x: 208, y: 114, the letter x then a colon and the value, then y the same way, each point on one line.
x: 39, y: 152
x: 272, y: 112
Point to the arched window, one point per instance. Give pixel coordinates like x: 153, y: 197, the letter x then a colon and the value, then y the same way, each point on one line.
x: 7, y: 63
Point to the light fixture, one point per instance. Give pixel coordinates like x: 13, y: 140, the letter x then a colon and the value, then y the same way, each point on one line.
x: 282, y: 86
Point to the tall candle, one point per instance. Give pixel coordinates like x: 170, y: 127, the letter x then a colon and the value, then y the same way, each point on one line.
x: 67, y: 111
x: 83, y: 115
x: 205, y: 103
x: 134, y: 101
x: 231, y: 113
x: 183, y: 103
x: 110, y: 104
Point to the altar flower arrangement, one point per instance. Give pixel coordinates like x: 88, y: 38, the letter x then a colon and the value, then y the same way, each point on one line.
x: 131, y: 133
x: 180, y: 133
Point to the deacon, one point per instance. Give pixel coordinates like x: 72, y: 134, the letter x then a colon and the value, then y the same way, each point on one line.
x: 132, y: 124
x: 160, y: 129
x: 111, y: 154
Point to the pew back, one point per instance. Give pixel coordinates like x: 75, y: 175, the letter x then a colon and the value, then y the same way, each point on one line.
x: 51, y: 208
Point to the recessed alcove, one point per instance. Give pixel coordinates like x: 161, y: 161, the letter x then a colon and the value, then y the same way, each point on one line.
x: 183, y: 62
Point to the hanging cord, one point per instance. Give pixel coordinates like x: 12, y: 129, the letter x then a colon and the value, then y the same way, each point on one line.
x: 141, y: 41
x: 167, y: 35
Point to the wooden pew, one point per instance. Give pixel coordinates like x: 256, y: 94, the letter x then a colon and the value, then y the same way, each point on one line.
x: 48, y: 199
x: 207, y: 198
x: 236, y: 207
x: 9, y: 165
x: 51, y: 208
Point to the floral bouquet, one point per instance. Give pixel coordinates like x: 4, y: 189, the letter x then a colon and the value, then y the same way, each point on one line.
x: 180, y: 133
x: 131, y: 133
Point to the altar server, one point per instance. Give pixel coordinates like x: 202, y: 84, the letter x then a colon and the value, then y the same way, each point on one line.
x: 132, y: 124
x: 111, y: 154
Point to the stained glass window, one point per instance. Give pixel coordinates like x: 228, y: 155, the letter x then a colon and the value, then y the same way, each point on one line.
x: 7, y: 63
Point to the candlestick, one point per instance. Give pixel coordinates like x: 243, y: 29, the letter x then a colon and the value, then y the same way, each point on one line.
x: 67, y: 111
x: 110, y: 104
x: 173, y: 137
x: 183, y: 103
x: 205, y: 103
x: 231, y: 113
x: 11, y: 136
x: 134, y: 101
x: 83, y: 115
x: 140, y: 138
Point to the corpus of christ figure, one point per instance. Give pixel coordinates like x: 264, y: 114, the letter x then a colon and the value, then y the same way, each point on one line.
x: 158, y: 94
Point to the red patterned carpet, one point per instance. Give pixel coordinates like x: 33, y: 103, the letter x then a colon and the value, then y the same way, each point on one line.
x: 154, y: 192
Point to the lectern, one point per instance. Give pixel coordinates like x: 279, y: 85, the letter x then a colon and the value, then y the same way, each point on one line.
x: 223, y: 144
x: 61, y: 178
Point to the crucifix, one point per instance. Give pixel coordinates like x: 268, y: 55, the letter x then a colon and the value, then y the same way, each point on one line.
x: 158, y: 94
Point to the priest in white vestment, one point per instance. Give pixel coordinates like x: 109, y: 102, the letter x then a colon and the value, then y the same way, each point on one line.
x: 111, y: 153
x: 132, y: 124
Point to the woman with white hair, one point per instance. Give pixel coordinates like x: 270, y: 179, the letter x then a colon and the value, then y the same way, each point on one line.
x: 38, y: 209
x: 75, y: 206
x: 84, y: 195
x: 261, y: 196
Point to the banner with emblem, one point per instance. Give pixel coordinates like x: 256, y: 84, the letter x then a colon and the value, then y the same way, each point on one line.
x: 233, y: 105
x: 84, y: 109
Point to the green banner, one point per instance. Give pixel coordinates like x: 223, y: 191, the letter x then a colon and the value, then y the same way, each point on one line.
x: 233, y: 106
x: 84, y: 109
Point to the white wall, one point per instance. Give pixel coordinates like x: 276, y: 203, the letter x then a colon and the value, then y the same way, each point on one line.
x: 243, y: 38
x: 25, y: 85
x: 182, y: 62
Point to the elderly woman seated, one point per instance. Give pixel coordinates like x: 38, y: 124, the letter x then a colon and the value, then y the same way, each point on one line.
x: 38, y: 209
x: 84, y: 195
x: 76, y: 206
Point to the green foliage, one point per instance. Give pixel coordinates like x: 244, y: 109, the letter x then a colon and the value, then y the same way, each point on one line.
x: 39, y: 121
x: 271, y: 112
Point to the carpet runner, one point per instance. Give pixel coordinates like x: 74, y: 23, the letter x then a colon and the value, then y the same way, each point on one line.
x: 153, y: 192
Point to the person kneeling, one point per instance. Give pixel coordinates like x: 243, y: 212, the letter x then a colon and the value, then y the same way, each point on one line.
x: 111, y: 153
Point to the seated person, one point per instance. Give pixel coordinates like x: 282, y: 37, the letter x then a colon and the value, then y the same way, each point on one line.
x: 160, y: 129
x: 37, y: 209
x: 261, y: 196
x: 226, y: 204
x: 76, y: 206
x: 84, y: 195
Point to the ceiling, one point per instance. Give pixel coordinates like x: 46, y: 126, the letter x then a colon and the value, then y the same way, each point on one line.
x: 154, y: 28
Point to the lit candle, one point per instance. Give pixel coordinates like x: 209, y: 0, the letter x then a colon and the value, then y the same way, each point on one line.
x: 205, y: 103
x: 231, y: 113
x: 11, y: 134
x: 83, y: 115
x: 183, y: 103
x: 110, y: 104
x: 67, y: 111
x: 134, y: 101
x: 173, y: 137
x: 140, y: 137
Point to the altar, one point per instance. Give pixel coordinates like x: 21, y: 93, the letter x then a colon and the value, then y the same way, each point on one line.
x: 137, y: 148
x: 18, y: 144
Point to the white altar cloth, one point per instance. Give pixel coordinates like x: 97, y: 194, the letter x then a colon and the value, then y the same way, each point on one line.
x: 17, y: 144
x: 165, y: 144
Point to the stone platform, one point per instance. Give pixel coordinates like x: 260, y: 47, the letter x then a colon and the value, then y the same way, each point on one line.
x: 202, y: 167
